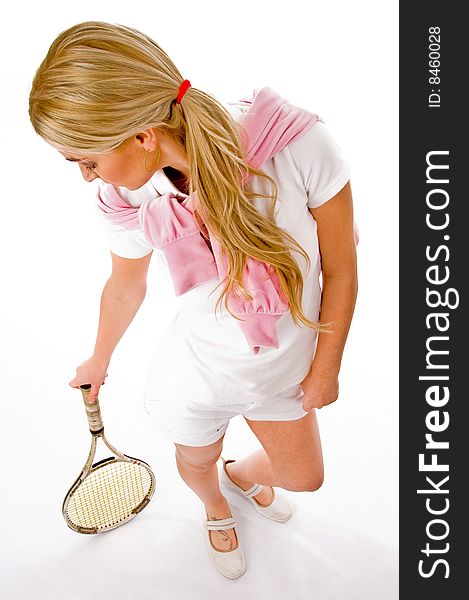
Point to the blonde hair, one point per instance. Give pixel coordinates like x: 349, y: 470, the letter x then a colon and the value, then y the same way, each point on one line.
x: 101, y: 83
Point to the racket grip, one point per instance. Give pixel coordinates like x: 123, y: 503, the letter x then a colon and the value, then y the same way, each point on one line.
x: 93, y: 412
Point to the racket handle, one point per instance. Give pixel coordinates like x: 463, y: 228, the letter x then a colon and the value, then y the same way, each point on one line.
x: 93, y: 411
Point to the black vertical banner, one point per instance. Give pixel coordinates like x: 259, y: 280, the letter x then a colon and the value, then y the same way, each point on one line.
x: 434, y: 260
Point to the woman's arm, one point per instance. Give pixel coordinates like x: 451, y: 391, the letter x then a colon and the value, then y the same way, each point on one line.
x: 122, y: 296
x: 335, y: 226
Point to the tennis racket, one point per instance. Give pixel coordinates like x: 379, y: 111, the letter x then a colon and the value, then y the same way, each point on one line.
x: 110, y: 492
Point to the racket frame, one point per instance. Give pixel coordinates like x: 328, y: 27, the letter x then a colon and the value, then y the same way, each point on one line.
x: 93, y: 413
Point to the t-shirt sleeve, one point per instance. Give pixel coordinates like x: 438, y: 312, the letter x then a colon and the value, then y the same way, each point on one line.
x: 124, y: 242
x: 321, y: 164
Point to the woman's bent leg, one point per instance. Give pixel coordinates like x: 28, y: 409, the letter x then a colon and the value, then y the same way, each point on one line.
x: 290, y: 457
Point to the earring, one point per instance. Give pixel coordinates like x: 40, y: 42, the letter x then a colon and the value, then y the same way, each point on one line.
x: 146, y: 156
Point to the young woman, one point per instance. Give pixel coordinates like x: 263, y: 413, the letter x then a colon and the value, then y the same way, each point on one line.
x: 249, y: 199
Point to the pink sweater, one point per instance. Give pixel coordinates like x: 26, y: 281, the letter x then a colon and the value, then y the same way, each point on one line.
x: 169, y: 224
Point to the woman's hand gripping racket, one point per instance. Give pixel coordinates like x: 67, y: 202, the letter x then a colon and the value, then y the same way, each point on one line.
x: 110, y: 492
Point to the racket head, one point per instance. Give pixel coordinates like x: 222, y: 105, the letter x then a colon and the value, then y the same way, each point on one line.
x: 112, y: 493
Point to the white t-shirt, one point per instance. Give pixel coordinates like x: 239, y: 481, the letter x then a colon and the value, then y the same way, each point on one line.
x: 309, y: 171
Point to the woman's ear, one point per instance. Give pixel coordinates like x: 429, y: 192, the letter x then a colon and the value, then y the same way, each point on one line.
x: 148, y: 139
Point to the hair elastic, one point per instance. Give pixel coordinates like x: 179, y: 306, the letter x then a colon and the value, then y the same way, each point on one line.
x: 182, y: 90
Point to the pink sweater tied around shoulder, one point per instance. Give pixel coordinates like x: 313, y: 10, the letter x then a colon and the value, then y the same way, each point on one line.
x: 169, y: 223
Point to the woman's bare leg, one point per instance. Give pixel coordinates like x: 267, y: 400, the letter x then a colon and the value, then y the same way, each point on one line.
x: 197, y: 467
x: 290, y: 457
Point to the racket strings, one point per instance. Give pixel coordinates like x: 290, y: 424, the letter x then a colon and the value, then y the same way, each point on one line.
x: 108, y: 495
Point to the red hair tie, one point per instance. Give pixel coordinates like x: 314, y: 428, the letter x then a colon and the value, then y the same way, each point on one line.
x: 182, y: 90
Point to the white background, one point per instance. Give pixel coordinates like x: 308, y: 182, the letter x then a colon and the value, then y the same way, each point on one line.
x: 338, y: 59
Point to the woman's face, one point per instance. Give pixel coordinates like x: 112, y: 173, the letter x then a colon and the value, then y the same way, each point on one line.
x: 124, y: 166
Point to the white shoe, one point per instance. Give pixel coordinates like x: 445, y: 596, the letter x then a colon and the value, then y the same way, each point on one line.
x: 230, y: 563
x: 280, y: 509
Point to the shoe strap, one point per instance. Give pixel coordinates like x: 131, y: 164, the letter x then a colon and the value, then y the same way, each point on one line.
x: 219, y: 524
x: 252, y: 491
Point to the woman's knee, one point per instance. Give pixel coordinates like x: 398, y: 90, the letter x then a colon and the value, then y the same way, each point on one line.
x: 199, y: 457
x: 310, y: 482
